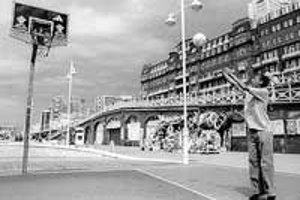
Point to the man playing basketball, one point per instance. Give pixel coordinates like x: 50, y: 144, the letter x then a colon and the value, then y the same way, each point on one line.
x: 260, y: 138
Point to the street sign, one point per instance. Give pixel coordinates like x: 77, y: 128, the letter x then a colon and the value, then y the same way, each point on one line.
x: 50, y: 27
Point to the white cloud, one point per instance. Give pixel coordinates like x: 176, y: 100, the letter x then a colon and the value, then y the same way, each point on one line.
x: 12, y: 67
x: 62, y: 80
x: 85, y: 21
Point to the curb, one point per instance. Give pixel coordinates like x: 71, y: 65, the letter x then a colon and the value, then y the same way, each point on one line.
x: 98, y: 151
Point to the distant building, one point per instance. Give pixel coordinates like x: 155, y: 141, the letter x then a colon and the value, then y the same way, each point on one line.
x: 58, y: 106
x: 102, y: 102
x: 45, y: 120
x: 7, y: 132
x: 78, y: 107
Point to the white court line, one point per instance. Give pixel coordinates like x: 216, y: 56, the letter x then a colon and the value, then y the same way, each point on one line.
x: 176, y: 184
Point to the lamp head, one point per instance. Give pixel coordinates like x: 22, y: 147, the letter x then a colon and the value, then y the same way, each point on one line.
x: 171, y: 21
x: 196, y: 5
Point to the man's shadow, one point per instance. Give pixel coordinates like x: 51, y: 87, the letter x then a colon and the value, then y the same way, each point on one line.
x: 244, y: 190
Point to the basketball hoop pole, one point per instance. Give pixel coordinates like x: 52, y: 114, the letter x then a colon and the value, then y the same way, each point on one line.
x: 28, y: 108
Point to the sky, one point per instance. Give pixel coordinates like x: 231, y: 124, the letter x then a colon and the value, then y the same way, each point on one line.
x: 109, y: 42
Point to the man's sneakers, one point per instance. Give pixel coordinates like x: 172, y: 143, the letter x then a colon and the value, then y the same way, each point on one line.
x: 255, y: 197
x: 272, y: 197
x: 263, y: 197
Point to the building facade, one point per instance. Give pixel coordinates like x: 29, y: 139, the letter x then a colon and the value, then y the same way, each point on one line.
x: 272, y: 45
x: 259, y: 8
x: 102, y: 102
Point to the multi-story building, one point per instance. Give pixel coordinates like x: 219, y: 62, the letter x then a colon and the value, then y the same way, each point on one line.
x: 259, y: 8
x: 273, y: 46
x: 58, y: 106
x: 204, y: 64
x: 45, y: 120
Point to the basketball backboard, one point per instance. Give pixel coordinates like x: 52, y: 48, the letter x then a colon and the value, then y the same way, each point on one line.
x: 29, y: 22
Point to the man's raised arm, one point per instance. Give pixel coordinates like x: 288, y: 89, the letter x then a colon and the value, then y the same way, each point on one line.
x: 230, y: 77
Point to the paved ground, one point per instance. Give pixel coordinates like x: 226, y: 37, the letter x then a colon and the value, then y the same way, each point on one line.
x: 115, y: 185
x: 221, y: 176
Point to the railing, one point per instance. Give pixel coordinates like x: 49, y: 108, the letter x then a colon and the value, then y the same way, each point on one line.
x: 277, y: 95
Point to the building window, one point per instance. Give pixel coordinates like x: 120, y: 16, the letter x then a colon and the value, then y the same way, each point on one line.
x: 266, y: 31
x: 273, y: 29
x: 220, y: 40
x: 194, y: 50
x: 225, y: 47
x: 287, y: 37
x: 213, y: 52
x: 278, y: 27
x: 285, y: 24
x: 214, y: 43
x: 290, y: 22
x: 207, y: 53
x: 279, y: 39
x: 292, y: 36
x: 297, y: 46
x: 298, y: 19
x: 208, y: 46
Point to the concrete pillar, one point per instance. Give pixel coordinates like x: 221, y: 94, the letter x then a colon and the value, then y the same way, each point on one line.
x: 91, y: 135
x: 122, y: 134
x: 105, y: 135
x: 142, y: 135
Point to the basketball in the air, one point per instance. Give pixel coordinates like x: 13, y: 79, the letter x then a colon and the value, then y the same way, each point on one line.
x: 199, y: 39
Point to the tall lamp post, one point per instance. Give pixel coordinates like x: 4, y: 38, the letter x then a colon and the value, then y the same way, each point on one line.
x: 70, y: 78
x: 198, y: 40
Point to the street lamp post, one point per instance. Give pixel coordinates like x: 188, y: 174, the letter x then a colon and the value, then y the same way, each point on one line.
x: 185, y: 128
x: 196, y: 5
x: 70, y: 78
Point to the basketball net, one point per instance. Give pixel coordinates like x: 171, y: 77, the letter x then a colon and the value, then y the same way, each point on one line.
x: 44, y: 43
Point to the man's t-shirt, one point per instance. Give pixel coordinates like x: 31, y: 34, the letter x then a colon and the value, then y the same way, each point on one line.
x: 256, y: 115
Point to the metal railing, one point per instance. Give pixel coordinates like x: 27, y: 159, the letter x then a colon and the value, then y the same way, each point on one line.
x: 277, y: 95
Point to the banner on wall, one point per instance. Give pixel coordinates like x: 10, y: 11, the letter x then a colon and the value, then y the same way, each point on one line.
x: 291, y: 126
x: 134, y: 131
x: 238, y: 129
x: 277, y: 127
x: 298, y: 126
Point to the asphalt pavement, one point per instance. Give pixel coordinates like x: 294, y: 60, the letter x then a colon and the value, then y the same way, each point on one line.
x: 58, y: 173
x: 112, y: 185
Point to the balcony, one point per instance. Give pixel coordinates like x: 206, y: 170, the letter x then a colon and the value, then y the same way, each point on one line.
x: 256, y: 65
x: 158, y: 92
x: 291, y: 54
x: 270, y: 60
x: 193, y: 81
x: 293, y: 69
x: 287, y: 95
x: 215, y: 88
x: 178, y: 86
x: 208, y: 78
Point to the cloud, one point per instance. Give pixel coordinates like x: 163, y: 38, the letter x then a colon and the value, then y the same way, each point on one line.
x: 12, y: 109
x: 62, y: 80
x: 86, y: 21
x: 110, y: 41
x: 9, y: 67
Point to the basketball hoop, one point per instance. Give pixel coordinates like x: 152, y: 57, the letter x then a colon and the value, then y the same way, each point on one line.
x: 44, y: 43
x: 42, y: 29
x: 41, y: 35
